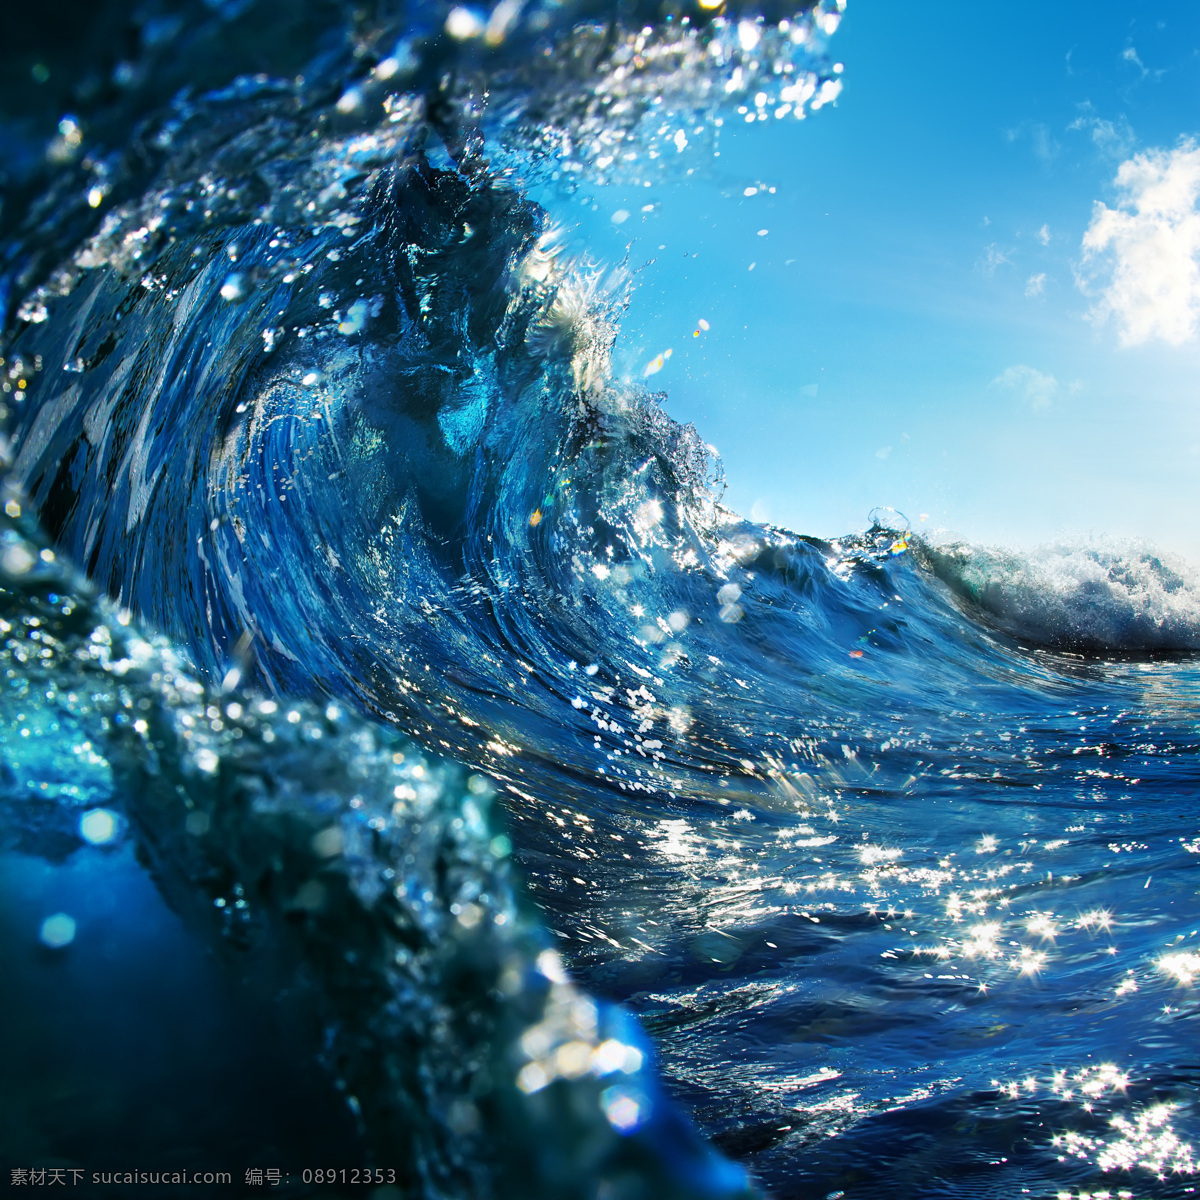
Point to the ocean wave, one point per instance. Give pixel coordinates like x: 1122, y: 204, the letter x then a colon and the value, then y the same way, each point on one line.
x: 303, y: 380
x: 1086, y: 595
x: 341, y: 868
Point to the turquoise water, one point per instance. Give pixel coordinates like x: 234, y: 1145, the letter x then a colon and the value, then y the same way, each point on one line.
x: 559, y: 817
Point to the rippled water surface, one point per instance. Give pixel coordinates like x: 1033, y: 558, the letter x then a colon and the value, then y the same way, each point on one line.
x: 440, y: 694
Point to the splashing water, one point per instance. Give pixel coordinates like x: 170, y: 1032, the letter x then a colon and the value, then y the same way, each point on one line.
x: 890, y: 847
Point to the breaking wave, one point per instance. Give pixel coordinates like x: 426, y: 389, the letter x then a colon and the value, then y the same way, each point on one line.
x: 298, y: 376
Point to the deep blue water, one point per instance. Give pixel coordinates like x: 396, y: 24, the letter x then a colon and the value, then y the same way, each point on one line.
x: 448, y: 709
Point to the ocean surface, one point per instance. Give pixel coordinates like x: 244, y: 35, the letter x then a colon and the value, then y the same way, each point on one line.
x: 416, y: 782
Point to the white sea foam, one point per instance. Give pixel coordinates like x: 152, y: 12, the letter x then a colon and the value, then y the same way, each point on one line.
x: 1118, y: 594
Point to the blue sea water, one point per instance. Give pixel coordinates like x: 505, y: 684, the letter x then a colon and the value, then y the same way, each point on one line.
x: 520, y: 820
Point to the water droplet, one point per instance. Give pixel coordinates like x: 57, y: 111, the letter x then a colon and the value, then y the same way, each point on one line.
x: 57, y: 931
x: 98, y: 826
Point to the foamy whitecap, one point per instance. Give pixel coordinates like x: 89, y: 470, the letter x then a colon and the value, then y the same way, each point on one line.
x: 1087, y: 594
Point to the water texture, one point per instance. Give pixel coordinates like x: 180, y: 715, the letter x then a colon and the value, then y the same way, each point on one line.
x: 890, y: 847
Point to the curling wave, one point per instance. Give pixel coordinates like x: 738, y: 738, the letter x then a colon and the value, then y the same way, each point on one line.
x: 317, y: 395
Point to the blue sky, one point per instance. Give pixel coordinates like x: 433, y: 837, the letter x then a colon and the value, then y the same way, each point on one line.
x: 923, y: 326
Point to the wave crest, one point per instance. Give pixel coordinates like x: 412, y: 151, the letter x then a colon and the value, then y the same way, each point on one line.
x: 1079, y: 595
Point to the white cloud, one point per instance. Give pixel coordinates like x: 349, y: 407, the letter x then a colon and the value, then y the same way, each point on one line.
x: 1045, y: 148
x: 1036, y: 389
x: 1151, y: 243
x: 1035, y: 284
x: 1131, y: 56
x: 993, y: 257
x: 1043, y: 235
x: 1114, y: 138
